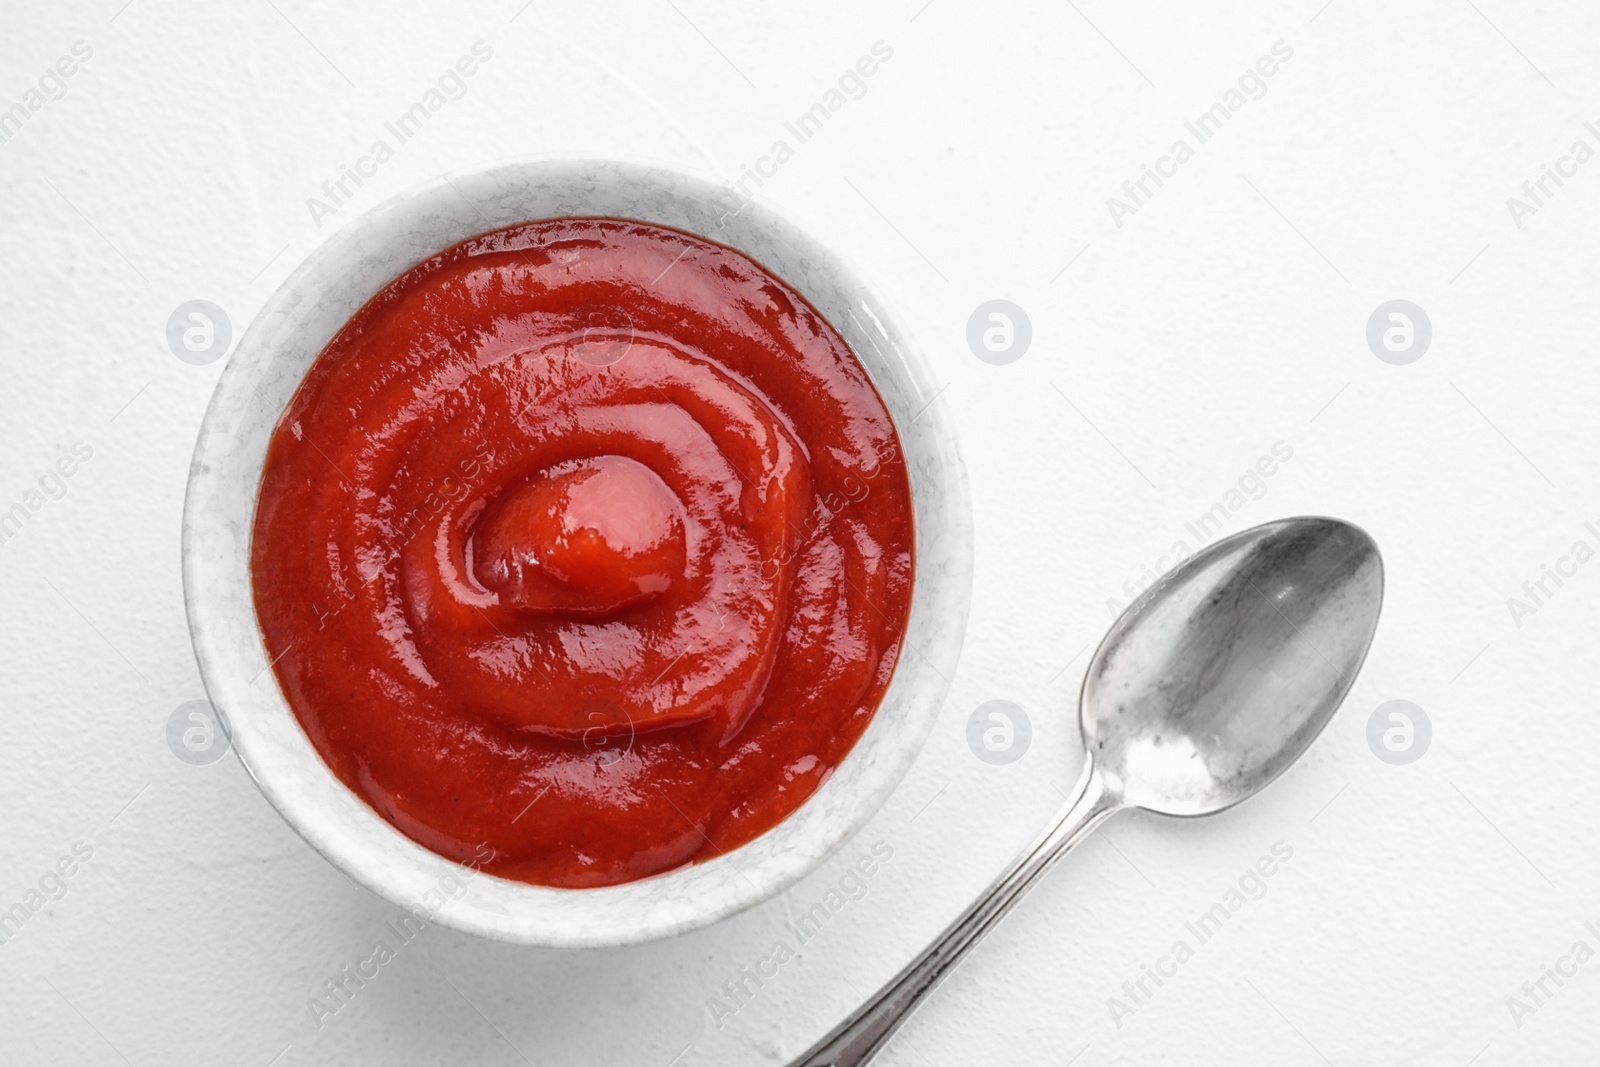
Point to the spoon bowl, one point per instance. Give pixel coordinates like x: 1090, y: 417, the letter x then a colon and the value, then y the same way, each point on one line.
x: 1221, y: 674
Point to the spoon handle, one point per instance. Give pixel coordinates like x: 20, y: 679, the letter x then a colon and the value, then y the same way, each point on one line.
x: 864, y: 1034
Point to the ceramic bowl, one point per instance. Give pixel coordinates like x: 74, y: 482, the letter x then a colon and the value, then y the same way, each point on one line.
x: 292, y: 329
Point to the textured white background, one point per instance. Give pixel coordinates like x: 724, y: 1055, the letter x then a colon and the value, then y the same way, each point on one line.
x: 1226, y: 315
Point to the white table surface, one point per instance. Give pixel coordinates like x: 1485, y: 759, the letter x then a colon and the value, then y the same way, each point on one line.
x: 1227, y: 314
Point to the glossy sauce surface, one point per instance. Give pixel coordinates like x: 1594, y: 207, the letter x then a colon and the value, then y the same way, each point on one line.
x: 587, y: 540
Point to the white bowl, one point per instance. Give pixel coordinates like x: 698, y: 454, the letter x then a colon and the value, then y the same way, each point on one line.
x: 261, y: 377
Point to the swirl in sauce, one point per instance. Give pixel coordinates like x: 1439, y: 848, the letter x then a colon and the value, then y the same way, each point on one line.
x: 586, y: 540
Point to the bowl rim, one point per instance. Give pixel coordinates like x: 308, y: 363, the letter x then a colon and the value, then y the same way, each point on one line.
x: 216, y: 537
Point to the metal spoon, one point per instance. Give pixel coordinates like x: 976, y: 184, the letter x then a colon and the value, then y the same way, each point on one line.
x: 1206, y: 688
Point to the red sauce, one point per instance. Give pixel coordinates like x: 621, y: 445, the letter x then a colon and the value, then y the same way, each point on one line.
x: 589, y: 540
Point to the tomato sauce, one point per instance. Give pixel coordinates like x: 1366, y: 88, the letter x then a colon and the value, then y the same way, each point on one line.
x: 588, y: 540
